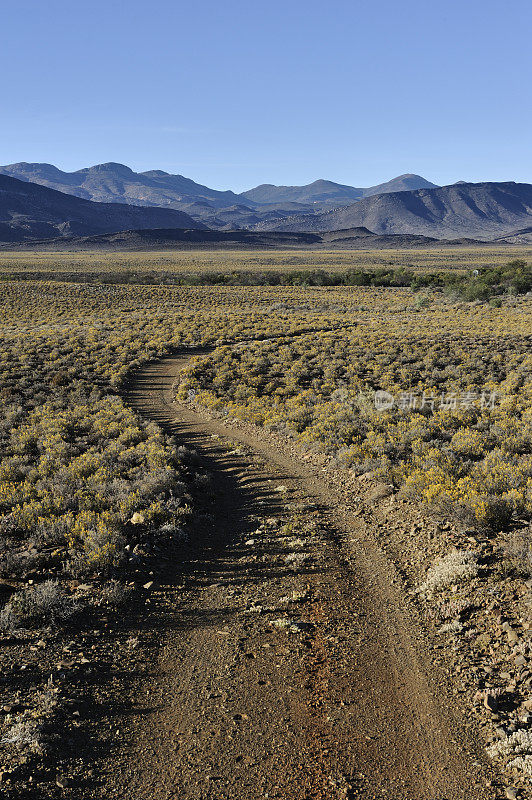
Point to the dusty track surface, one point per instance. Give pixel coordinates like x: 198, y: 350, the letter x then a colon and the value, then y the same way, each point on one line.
x: 343, y: 702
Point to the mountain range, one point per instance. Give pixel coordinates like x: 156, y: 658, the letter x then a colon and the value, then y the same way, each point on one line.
x: 480, y: 210
x: 29, y: 211
x: 117, y: 183
x: 324, y: 193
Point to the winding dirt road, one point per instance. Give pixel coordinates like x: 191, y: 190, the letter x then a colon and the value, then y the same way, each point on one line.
x: 289, y: 661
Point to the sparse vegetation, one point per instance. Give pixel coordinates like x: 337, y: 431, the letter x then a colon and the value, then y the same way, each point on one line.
x: 457, y: 430
x: 518, y: 549
x: 42, y: 604
x: 455, y: 567
x: 165, y: 263
x: 468, y: 283
x: 91, y: 495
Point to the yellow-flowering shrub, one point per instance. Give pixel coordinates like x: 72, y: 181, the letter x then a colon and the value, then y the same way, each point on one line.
x: 458, y: 432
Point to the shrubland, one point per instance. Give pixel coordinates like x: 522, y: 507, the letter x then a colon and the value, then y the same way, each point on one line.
x: 482, y: 283
x: 93, y: 498
x: 456, y: 430
x: 120, y: 265
x: 77, y: 464
x: 91, y: 495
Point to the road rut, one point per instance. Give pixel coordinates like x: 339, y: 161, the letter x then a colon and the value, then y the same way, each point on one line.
x: 339, y: 700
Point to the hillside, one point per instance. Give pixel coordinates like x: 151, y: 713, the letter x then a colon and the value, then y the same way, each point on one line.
x: 173, y: 238
x: 406, y: 205
x: 29, y: 211
x: 183, y: 239
x: 403, y: 183
x: 323, y: 192
x: 320, y: 191
x: 479, y: 210
x: 521, y: 236
x: 117, y: 183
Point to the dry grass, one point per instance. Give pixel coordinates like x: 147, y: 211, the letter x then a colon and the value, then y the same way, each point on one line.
x: 459, y: 258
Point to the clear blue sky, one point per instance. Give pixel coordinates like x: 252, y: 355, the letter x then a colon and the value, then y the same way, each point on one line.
x: 235, y: 92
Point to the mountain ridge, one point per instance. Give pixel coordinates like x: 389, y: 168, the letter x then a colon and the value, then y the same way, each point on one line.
x: 485, y: 211
x: 115, y: 182
x: 112, y: 182
x: 478, y: 210
x: 330, y: 192
x: 31, y: 211
x: 179, y: 238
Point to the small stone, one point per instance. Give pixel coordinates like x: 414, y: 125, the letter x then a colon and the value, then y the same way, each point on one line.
x: 511, y: 793
x: 379, y: 492
x: 511, y: 635
x: 148, y: 585
x: 482, y: 640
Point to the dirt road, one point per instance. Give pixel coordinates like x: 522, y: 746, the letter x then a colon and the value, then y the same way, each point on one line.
x: 290, y: 663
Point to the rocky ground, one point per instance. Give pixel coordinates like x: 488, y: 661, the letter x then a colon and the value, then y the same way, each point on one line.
x: 307, y: 643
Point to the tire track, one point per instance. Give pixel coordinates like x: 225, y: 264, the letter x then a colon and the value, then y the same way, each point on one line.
x: 347, y: 709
